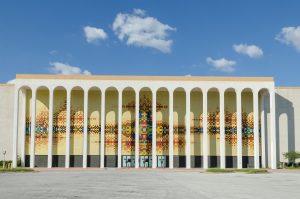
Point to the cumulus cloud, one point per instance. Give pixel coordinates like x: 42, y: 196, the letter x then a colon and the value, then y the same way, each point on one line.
x: 66, y: 69
x: 93, y: 34
x: 140, y: 30
x: 12, y: 81
x: 222, y: 64
x: 252, y: 51
x: 139, y: 12
x: 290, y: 36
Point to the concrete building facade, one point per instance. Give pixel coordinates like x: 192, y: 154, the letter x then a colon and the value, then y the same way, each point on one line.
x: 158, y: 122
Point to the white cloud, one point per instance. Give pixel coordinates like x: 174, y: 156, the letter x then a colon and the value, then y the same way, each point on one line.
x: 12, y: 81
x: 222, y: 64
x: 252, y: 51
x: 66, y: 69
x: 138, y: 11
x: 143, y: 31
x: 53, y: 52
x: 290, y: 36
x: 93, y: 34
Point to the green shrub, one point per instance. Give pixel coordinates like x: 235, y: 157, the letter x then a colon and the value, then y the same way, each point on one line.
x: 252, y: 171
x: 292, y: 156
x: 7, y: 163
x: 248, y: 171
x: 218, y: 170
x: 15, y: 170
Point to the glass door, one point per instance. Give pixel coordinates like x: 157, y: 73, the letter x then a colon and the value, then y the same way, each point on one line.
x: 161, y: 161
x: 145, y: 161
x: 128, y: 161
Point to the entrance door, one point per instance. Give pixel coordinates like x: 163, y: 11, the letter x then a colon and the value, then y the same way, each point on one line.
x: 128, y: 161
x: 145, y: 161
x: 161, y: 161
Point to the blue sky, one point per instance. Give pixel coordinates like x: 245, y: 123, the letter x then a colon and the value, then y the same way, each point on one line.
x: 198, y: 38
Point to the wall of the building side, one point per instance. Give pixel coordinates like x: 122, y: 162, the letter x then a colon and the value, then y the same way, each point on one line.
x: 6, y: 120
x: 287, y: 120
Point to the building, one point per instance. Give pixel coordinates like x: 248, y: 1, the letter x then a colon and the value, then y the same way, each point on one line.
x: 190, y: 122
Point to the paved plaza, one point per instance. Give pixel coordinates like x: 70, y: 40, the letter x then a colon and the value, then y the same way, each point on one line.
x: 131, y: 183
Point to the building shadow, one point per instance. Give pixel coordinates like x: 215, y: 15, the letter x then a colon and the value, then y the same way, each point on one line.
x: 283, y: 106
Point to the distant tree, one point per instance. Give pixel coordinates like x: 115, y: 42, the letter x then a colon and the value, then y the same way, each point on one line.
x: 292, y: 156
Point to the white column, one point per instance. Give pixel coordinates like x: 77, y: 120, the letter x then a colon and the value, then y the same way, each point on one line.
x: 15, y: 131
x: 256, y: 129
x: 222, y: 131
x: 205, y: 135
x: 273, y: 128
x: 263, y: 133
x: 171, y: 138
x: 188, y: 129
x: 137, y: 128
x: 239, y: 129
x: 154, y: 163
x: 68, y: 113
x: 22, y: 120
x: 102, y: 129
x: 32, y: 133
x: 50, y: 128
x: 85, y: 127
x: 120, y: 130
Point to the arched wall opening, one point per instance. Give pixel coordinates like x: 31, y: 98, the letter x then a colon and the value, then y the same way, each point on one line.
x: 128, y: 127
x: 145, y: 127
x: 111, y: 128
x: 179, y: 127
x: 196, y: 117
x: 94, y: 127
x: 162, y: 127
x: 213, y: 127
x: 59, y: 126
x: 76, y: 128
x: 230, y: 115
x: 41, y: 127
x: 247, y: 129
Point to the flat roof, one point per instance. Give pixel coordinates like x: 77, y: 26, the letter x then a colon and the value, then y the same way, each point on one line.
x: 152, y: 78
x: 6, y: 84
x: 287, y: 87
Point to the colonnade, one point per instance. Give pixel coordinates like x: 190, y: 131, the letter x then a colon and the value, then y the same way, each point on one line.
x: 238, y: 91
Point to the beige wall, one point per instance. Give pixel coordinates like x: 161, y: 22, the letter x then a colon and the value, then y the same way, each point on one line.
x: 6, y: 120
x: 288, y: 120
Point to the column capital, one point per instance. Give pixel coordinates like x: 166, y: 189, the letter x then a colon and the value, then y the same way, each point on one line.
x: 222, y: 90
x: 204, y: 91
x: 153, y: 89
x: 255, y: 91
x: 187, y: 90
